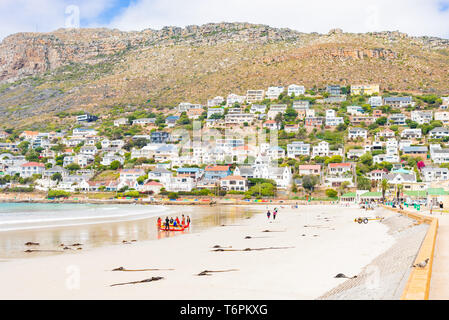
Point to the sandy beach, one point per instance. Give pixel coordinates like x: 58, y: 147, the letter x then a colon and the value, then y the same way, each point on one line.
x: 298, y: 259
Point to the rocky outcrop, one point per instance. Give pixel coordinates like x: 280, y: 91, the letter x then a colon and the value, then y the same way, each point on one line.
x: 26, y: 54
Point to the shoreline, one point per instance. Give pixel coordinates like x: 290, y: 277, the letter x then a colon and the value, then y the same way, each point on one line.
x: 315, y: 243
x: 186, y: 200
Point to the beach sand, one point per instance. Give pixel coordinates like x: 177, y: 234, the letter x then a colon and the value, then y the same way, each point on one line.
x: 316, y: 243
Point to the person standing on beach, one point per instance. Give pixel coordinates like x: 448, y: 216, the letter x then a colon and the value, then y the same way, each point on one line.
x: 167, y: 224
x: 268, y: 214
x: 159, y: 222
x: 183, y: 222
x: 177, y: 221
x: 188, y: 220
x: 275, y: 212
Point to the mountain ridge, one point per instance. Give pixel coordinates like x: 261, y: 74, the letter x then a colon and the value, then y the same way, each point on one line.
x: 95, y: 69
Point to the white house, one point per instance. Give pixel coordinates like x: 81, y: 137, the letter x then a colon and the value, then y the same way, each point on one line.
x: 375, y: 101
x: 261, y: 108
x: 30, y: 168
x: 275, y: 110
x: 439, y: 155
x: 120, y: 122
x: 442, y: 116
x: 439, y: 133
x: 391, y: 158
x: 355, y: 133
x: 296, y: 90
x: 238, y: 118
x: 255, y: 95
x: 186, y: 106
x: 217, y: 101
x: 274, y: 92
x: 399, y: 102
x: 234, y: 183
x: 297, y: 149
x: 212, y: 111
x: 321, y: 150
x: 429, y: 174
x: 130, y: 175
x: 411, y: 134
x: 354, y: 110
x: 89, y: 150
x: 234, y: 98
x: 144, y: 121
x: 422, y: 117
x: 387, y: 133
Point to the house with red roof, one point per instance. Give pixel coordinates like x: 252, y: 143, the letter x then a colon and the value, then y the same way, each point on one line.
x: 339, y: 168
x: 339, y: 173
x: 30, y: 168
x: 377, y: 175
x: 216, y: 172
x: 151, y: 186
x: 29, y: 135
x: 271, y: 124
x: 309, y: 169
x: 234, y: 183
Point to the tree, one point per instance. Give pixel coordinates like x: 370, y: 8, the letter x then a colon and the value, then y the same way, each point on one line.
x: 385, y: 186
x: 382, y: 121
x: 334, y: 159
x: 73, y: 167
x: 23, y: 147
x: 309, y: 182
x: 290, y: 114
x: 32, y: 156
x: 366, y: 159
x: 115, y: 165
x: 56, y: 177
x: 294, y: 188
x: 400, y: 187
x: 278, y: 119
x: 363, y: 183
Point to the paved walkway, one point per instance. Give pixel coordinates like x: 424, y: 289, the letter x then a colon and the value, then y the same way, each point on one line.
x: 439, y: 282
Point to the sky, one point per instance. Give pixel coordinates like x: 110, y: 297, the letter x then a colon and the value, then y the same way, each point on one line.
x: 415, y: 17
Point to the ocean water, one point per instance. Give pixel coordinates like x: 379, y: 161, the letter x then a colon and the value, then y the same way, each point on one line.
x: 59, y: 226
x: 23, y: 216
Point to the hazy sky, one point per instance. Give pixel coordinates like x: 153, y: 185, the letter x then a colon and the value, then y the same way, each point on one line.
x: 415, y: 17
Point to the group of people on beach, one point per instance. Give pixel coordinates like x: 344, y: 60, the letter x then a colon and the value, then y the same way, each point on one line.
x: 275, y: 212
x: 173, y: 222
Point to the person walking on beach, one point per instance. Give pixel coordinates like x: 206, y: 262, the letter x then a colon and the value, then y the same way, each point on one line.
x: 268, y: 214
x: 188, y: 220
x: 159, y: 222
x: 275, y: 212
x: 183, y: 221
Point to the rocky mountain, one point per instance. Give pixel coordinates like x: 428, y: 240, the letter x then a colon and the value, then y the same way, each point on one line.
x: 42, y: 74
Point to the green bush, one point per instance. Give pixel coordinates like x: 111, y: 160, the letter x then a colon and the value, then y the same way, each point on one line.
x: 58, y: 194
x: 173, y: 195
x: 331, y: 193
x: 132, y: 194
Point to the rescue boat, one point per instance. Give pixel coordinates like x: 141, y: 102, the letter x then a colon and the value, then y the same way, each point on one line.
x: 173, y: 228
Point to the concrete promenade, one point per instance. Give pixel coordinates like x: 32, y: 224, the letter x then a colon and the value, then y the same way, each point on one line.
x: 439, y: 282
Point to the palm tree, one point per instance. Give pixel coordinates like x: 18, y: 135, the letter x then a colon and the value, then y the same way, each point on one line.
x: 400, y: 188
x: 385, y: 186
